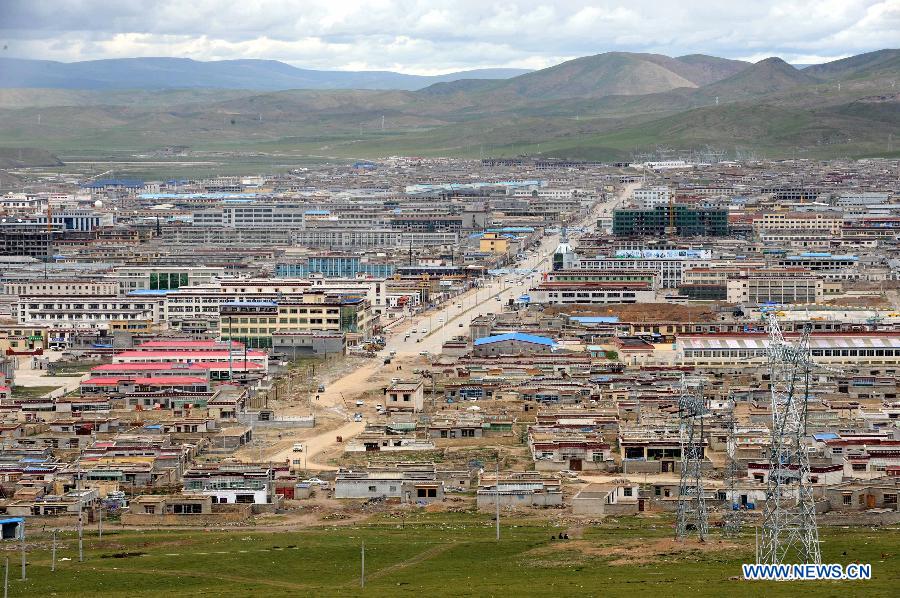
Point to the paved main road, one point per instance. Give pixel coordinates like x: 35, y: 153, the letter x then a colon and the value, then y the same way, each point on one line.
x: 440, y: 324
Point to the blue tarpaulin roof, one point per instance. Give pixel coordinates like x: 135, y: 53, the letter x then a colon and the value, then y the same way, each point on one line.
x: 595, y: 319
x: 516, y: 336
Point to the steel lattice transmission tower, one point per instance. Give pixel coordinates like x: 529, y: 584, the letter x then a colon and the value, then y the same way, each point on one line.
x: 733, y: 516
x: 692, y: 512
x: 789, y: 533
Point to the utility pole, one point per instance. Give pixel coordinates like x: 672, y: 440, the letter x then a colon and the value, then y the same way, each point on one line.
x: 497, y: 495
x: 53, y: 553
x: 362, y: 573
x: 6, y: 579
x: 22, y: 539
x: 80, y: 514
x: 100, y: 521
x: 80, y: 537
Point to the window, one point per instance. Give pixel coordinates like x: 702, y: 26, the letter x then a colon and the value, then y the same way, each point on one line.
x: 627, y: 491
x: 890, y: 500
x: 372, y: 489
x: 848, y: 499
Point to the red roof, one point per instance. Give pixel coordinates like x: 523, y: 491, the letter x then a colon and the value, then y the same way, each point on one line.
x: 156, y: 381
x: 187, y: 345
x: 162, y: 366
x: 194, y: 354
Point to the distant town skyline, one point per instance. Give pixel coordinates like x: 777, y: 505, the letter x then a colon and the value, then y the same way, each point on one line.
x: 434, y: 37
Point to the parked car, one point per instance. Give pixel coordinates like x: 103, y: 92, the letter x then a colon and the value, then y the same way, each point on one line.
x: 357, y: 417
x: 321, y: 388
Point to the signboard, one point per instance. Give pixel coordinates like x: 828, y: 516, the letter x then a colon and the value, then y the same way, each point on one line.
x: 664, y: 254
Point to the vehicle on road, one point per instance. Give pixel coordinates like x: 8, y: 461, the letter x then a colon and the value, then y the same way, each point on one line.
x: 359, y: 403
x: 321, y: 388
x: 357, y: 417
x: 395, y: 380
x: 460, y: 324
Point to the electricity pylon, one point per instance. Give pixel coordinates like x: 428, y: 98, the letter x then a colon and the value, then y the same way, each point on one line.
x: 692, y: 512
x: 789, y: 533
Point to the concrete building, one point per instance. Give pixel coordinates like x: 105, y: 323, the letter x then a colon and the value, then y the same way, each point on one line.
x: 788, y: 285
x: 405, y: 396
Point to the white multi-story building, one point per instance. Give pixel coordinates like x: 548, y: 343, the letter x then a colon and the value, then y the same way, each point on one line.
x: 203, y: 301
x: 88, y: 311
x: 651, y: 197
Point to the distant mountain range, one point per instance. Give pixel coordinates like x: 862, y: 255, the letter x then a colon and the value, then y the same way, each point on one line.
x: 182, y: 73
x: 606, y: 106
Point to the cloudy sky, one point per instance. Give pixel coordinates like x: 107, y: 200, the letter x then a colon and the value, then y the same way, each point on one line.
x: 437, y: 36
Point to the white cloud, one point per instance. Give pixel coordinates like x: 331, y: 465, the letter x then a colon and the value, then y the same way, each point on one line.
x: 432, y: 36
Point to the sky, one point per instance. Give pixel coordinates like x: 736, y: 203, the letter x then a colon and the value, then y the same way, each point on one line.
x: 437, y: 36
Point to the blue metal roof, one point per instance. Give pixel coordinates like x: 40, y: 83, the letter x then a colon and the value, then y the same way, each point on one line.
x: 516, y: 336
x: 826, y: 436
x: 151, y: 292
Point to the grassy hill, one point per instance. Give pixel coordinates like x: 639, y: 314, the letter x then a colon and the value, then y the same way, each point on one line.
x: 601, y: 107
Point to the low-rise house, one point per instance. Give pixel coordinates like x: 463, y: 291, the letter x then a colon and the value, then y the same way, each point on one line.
x: 376, y: 441
x: 526, y: 489
x: 405, y: 396
x: 859, y: 495
x: 619, y: 497
x: 408, y: 485
x: 575, y: 452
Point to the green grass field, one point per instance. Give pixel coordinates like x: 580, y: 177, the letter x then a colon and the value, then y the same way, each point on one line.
x: 442, y: 554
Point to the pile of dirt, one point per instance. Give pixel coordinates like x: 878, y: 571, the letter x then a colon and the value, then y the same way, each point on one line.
x: 633, y: 552
x: 640, y: 312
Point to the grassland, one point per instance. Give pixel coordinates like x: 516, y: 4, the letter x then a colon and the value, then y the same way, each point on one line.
x: 436, y: 554
x: 31, y: 392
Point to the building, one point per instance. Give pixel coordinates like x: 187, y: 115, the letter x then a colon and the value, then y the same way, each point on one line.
x: 686, y: 221
x: 851, y: 348
x: 796, y: 221
x: 513, y: 343
x: 787, y: 285
x: 651, y: 197
x: 557, y: 293
x: 408, y: 484
x: 619, y: 497
x: 164, y: 278
x: 334, y: 266
x: 493, y: 243
x: 405, y: 396
x: 518, y: 490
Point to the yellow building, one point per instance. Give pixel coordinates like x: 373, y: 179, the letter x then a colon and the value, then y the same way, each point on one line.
x: 494, y: 243
x: 21, y: 337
